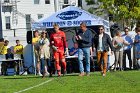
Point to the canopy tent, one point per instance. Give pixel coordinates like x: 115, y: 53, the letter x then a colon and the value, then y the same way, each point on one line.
x: 70, y: 16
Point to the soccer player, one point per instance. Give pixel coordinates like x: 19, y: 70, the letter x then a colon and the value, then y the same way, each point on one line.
x: 59, y: 46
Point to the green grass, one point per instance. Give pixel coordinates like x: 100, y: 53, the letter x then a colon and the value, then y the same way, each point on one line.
x: 114, y: 82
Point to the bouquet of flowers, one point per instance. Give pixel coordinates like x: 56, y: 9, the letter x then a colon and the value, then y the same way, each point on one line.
x: 119, y: 45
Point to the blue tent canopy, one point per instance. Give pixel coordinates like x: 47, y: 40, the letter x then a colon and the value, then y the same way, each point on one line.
x: 70, y: 16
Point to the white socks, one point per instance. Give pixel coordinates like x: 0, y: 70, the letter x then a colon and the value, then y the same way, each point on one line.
x: 46, y: 70
x: 39, y: 72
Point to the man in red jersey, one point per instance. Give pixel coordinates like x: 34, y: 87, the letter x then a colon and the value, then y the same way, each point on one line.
x: 59, y: 46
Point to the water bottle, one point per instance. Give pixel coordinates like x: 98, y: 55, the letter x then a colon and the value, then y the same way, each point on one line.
x: 67, y: 52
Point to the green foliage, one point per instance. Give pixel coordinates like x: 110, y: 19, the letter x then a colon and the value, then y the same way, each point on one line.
x: 90, y: 10
x: 121, y: 9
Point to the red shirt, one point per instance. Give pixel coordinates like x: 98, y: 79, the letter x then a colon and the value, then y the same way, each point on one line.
x: 58, y: 39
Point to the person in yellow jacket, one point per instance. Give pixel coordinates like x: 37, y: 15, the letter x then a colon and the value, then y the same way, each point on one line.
x: 18, y: 49
x: 3, y: 51
x: 18, y: 54
x: 35, y: 43
x: 4, y: 48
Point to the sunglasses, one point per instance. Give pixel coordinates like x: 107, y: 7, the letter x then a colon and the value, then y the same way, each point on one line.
x: 100, y: 29
x: 43, y: 33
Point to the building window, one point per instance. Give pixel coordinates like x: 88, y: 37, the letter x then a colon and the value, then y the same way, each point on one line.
x: 6, y: 1
x: 6, y: 8
x: 40, y: 16
x: 66, y: 1
x: 7, y: 22
x: 36, y: 1
x: 64, y: 6
x: 79, y: 3
x: 47, y: 1
x: 28, y: 21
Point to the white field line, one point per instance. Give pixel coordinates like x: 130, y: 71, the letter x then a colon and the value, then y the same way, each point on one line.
x: 34, y: 86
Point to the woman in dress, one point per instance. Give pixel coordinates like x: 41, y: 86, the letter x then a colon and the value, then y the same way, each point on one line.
x: 137, y: 45
x: 118, y: 43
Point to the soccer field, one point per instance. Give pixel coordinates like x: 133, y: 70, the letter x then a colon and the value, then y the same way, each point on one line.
x: 114, y: 82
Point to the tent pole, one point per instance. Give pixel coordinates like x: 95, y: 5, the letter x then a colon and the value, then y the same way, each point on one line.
x: 1, y: 34
x: 33, y: 55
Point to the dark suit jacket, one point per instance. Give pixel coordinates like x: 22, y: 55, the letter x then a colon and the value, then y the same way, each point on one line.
x: 106, y: 41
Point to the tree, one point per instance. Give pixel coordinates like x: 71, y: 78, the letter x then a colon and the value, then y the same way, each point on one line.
x: 126, y: 11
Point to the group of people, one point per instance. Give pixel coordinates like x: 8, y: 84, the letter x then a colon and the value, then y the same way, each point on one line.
x: 43, y: 46
x: 55, y: 46
x: 10, y: 53
x: 123, y: 44
x: 120, y: 46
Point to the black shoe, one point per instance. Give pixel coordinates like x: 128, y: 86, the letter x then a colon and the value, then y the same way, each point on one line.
x: 43, y: 76
x: 50, y: 75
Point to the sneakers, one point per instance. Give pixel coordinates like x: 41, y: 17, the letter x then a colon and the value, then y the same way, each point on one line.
x: 25, y: 73
x: 46, y: 74
x: 82, y: 74
x: 115, y: 70
x: 104, y: 75
x: 39, y: 74
x: 87, y: 74
x: 108, y: 70
x: 59, y: 73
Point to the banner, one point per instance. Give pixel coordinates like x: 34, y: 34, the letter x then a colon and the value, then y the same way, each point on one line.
x: 70, y: 16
